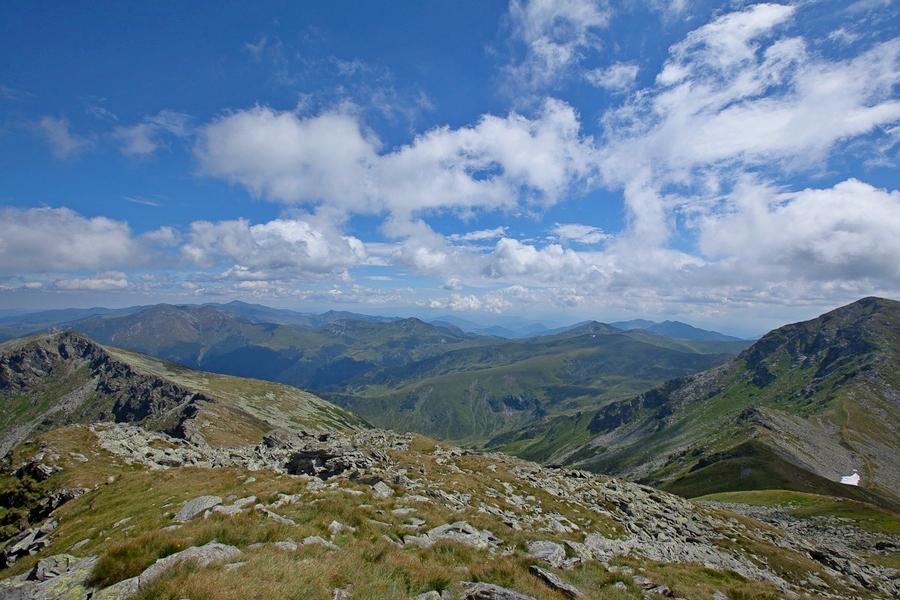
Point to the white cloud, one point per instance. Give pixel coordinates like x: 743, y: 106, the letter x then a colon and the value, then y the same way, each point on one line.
x: 739, y: 95
x: 102, y: 282
x: 457, y: 302
x: 619, y: 77
x: 143, y: 139
x: 513, y: 259
x: 59, y: 239
x: 63, y: 143
x: 477, y: 236
x: 279, y: 156
x: 557, y: 34
x: 329, y: 160
x: 279, y: 249
x: 845, y: 233
x: 576, y: 232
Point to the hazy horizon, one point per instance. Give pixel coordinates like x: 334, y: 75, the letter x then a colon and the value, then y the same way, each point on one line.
x: 729, y: 165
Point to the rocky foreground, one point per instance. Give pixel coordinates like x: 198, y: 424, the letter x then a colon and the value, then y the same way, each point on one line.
x: 421, y: 496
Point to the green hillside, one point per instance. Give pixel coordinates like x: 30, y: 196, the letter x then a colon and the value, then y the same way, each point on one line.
x: 473, y: 395
x: 412, y: 376
x: 57, y: 379
x: 806, y: 404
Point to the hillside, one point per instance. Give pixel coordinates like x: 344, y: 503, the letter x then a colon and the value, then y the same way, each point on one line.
x: 119, y: 512
x: 56, y: 379
x: 806, y: 404
x: 215, y: 339
x: 411, y: 376
x: 220, y: 488
x: 471, y: 395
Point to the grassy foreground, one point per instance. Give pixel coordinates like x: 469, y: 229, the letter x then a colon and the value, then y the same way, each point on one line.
x: 127, y: 520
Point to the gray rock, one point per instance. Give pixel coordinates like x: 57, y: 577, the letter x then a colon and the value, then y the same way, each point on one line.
x: 196, y: 507
x: 487, y: 591
x: 315, y: 539
x: 555, y: 583
x: 459, y: 531
x: 550, y: 552
x: 65, y: 577
x: 432, y: 595
x: 203, y: 555
x: 273, y: 515
x: 717, y: 595
x: 382, y: 490
x: 50, y: 567
x: 287, y: 545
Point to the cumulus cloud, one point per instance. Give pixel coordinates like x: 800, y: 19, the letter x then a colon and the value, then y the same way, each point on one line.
x: 512, y: 258
x: 734, y: 95
x: 737, y: 96
x: 847, y: 232
x: 63, y: 143
x: 279, y: 249
x: 59, y: 239
x: 329, y: 159
x: 557, y: 34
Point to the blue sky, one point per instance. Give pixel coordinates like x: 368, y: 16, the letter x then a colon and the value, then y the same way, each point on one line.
x: 733, y: 165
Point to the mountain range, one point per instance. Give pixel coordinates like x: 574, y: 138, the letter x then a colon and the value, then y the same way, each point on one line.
x: 409, y: 375
x: 128, y: 476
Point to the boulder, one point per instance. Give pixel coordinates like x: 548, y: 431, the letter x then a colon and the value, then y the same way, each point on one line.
x: 196, y: 507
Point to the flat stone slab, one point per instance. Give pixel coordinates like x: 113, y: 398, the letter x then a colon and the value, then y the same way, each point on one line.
x: 197, y: 506
x: 555, y: 583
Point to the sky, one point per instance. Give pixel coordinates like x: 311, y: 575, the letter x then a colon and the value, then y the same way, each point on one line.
x: 733, y: 165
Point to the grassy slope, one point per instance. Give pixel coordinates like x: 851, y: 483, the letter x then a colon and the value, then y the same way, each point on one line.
x: 236, y: 411
x: 124, y: 520
x: 473, y: 395
x: 839, y: 372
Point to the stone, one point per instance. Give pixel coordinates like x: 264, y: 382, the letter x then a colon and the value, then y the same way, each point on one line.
x: 50, y: 567
x: 555, y: 583
x: 196, y: 507
x: 458, y: 531
x: 382, y: 490
x: 432, y: 595
x: 64, y: 576
x: 335, y: 528
x: 315, y: 539
x: 341, y: 593
x: 203, y: 555
x: 550, y: 552
x: 487, y: 591
x: 287, y: 545
x: 273, y: 515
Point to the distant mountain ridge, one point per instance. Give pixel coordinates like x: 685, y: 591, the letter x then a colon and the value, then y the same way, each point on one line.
x: 676, y: 329
x: 410, y: 375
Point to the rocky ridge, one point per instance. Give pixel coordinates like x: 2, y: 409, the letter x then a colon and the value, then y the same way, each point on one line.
x: 621, y: 519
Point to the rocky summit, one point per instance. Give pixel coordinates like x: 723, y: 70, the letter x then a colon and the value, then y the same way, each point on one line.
x: 120, y: 511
